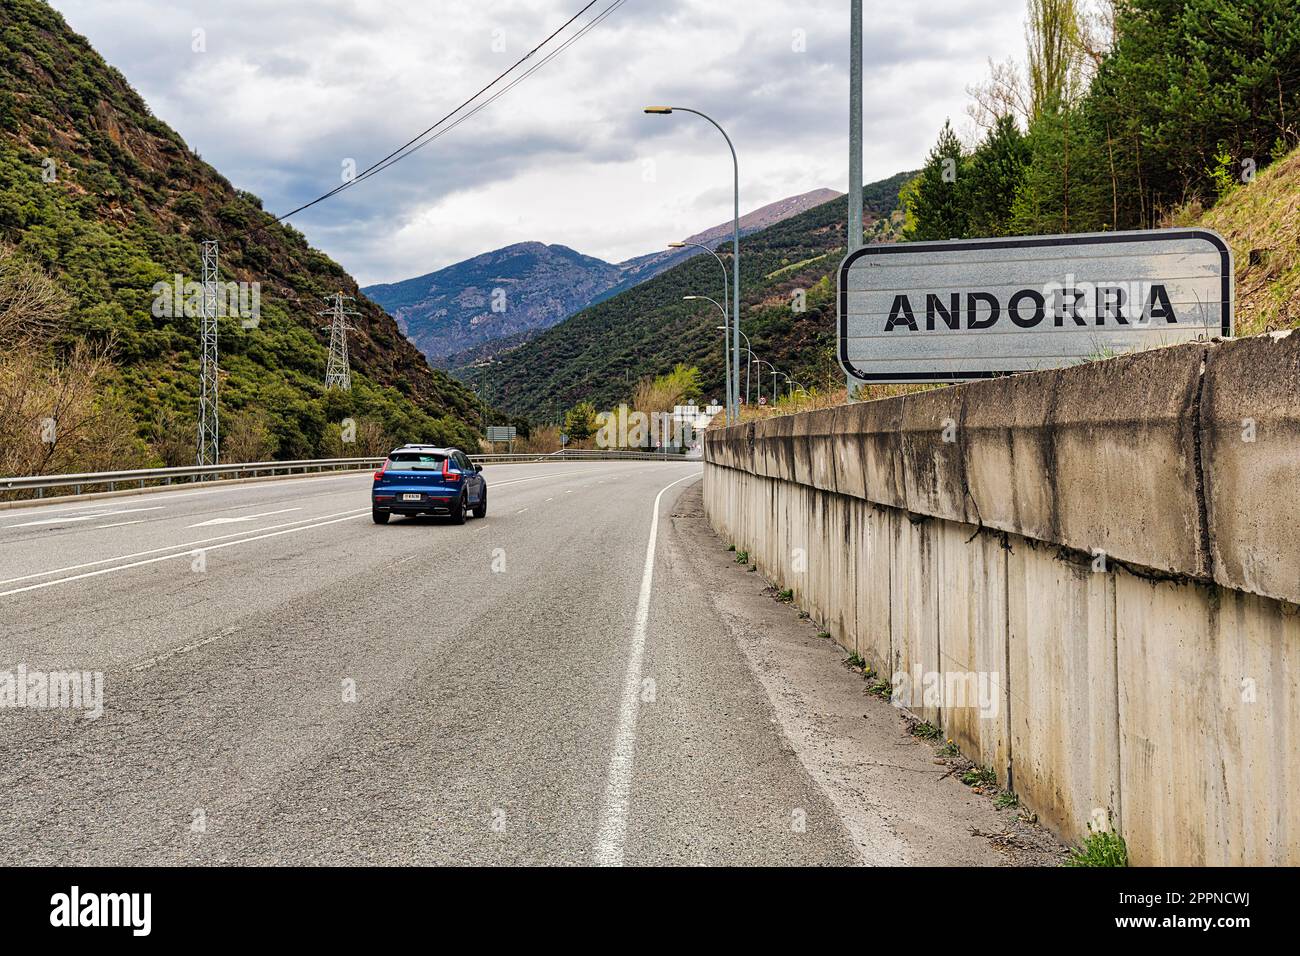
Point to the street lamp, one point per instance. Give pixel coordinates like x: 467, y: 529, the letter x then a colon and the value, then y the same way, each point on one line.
x: 733, y: 398
x: 723, y: 265
x: 775, y: 372
x: 750, y: 352
x: 726, y: 359
x: 750, y: 348
x: 699, y: 245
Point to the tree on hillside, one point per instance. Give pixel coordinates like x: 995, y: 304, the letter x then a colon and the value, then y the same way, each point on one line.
x: 993, y: 176
x: 1065, y: 183
x: 664, y: 392
x: 580, y: 422
x: 935, y: 205
x: 57, y: 411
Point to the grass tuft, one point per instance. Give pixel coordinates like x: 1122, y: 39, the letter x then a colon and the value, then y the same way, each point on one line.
x: 1102, y: 848
x: 925, y: 730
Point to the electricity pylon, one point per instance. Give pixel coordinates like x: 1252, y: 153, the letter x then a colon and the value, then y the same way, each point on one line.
x: 337, y: 372
x: 209, y: 415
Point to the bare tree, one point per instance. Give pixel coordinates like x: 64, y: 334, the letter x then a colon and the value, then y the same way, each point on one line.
x: 1002, y: 94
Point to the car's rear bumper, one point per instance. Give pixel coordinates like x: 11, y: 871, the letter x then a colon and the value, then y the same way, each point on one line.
x: 427, y: 505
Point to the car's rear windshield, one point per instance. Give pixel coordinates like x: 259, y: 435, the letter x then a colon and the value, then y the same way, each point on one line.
x: 415, y: 461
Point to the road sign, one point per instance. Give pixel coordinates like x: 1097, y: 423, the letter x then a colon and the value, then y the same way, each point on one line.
x: 975, y: 308
x: 501, y: 433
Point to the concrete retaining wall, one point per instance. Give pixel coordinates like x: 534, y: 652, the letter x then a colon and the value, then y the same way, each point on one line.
x: 1113, y: 550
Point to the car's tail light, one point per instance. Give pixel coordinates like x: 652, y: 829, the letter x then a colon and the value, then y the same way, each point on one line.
x: 447, y: 474
x: 379, y: 475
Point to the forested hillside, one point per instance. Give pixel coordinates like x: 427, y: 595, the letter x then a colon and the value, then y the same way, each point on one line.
x: 102, y: 200
x: 1122, y: 119
x: 601, y: 353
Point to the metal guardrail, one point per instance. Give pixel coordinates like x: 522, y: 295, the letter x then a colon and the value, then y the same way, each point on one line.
x: 142, y: 477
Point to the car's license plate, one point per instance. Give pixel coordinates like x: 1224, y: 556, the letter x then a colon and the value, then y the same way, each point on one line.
x: 411, y: 497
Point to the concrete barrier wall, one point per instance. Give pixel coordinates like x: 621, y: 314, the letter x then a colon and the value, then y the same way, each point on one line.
x: 1112, y: 550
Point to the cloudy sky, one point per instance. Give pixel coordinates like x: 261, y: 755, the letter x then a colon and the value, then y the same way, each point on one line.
x: 282, y: 93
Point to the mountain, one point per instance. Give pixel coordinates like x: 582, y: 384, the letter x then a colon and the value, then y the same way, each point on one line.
x: 599, y: 353
x: 526, y: 286
x: 108, y: 201
x: 648, y: 266
x: 455, y: 315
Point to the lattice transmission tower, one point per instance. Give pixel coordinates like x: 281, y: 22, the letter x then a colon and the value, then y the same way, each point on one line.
x: 337, y: 372
x: 209, y: 415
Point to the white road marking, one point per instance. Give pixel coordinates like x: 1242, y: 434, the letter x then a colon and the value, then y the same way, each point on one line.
x: 613, y: 827
x: 521, y: 511
x: 232, y: 520
x: 188, y: 547
x: 550, y: 499
x: 225, y: 489
x: 180, y: 554
x: 89, y: 517
x: 119, y: 524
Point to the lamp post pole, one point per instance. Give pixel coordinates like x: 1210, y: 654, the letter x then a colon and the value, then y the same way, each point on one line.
x: 733, y: 397
x: 750, y: 348
x: 725, y: 357
x: 775, y: 372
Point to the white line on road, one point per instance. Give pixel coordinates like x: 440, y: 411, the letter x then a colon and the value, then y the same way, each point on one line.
x: 119, y: 524
x: 185, y: 546
x: 613, y: 827
x: 90, y: 517
x: 179, y: 554
x: 190, y: 546
x: 232, y: 520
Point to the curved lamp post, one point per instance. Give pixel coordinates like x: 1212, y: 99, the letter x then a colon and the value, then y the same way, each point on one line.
x: 775, y: 373
x: 732, y: 398
x: 748, y: 348
x: 726, y: 359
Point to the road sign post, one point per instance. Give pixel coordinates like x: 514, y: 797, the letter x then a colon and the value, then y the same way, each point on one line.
x: 977, y: 308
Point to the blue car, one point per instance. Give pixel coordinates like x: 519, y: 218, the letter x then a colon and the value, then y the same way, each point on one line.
x: 423, y: 480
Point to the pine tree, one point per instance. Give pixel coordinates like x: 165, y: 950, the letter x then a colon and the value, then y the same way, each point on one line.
x: 935, y: 205
x: 993, y: 174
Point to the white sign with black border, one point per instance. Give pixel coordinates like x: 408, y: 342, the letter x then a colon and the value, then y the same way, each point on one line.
x: 977, y: 308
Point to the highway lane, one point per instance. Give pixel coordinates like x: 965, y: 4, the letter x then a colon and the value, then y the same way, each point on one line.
x: 285, y: 682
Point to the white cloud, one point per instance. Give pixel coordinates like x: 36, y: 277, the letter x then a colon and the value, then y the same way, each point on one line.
x: 286, y: 91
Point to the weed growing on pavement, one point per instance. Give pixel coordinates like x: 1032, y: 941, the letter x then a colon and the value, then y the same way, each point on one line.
x: 980, y: 777
x: 949, y: 749
x: 925, y: 730
x: 1006, y: 800
x: 1102, y: 848
x: 786, y: 596
x: 742, y: 557
x: 825, y: 635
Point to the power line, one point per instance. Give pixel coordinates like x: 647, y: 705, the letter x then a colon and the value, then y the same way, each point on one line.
x: 490, y: 100
x: 405, y: 150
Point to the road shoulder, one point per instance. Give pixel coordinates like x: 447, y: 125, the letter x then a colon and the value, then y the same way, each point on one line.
x: 901, y: 802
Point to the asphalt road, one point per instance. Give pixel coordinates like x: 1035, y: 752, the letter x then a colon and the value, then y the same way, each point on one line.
x: 285, y: 682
